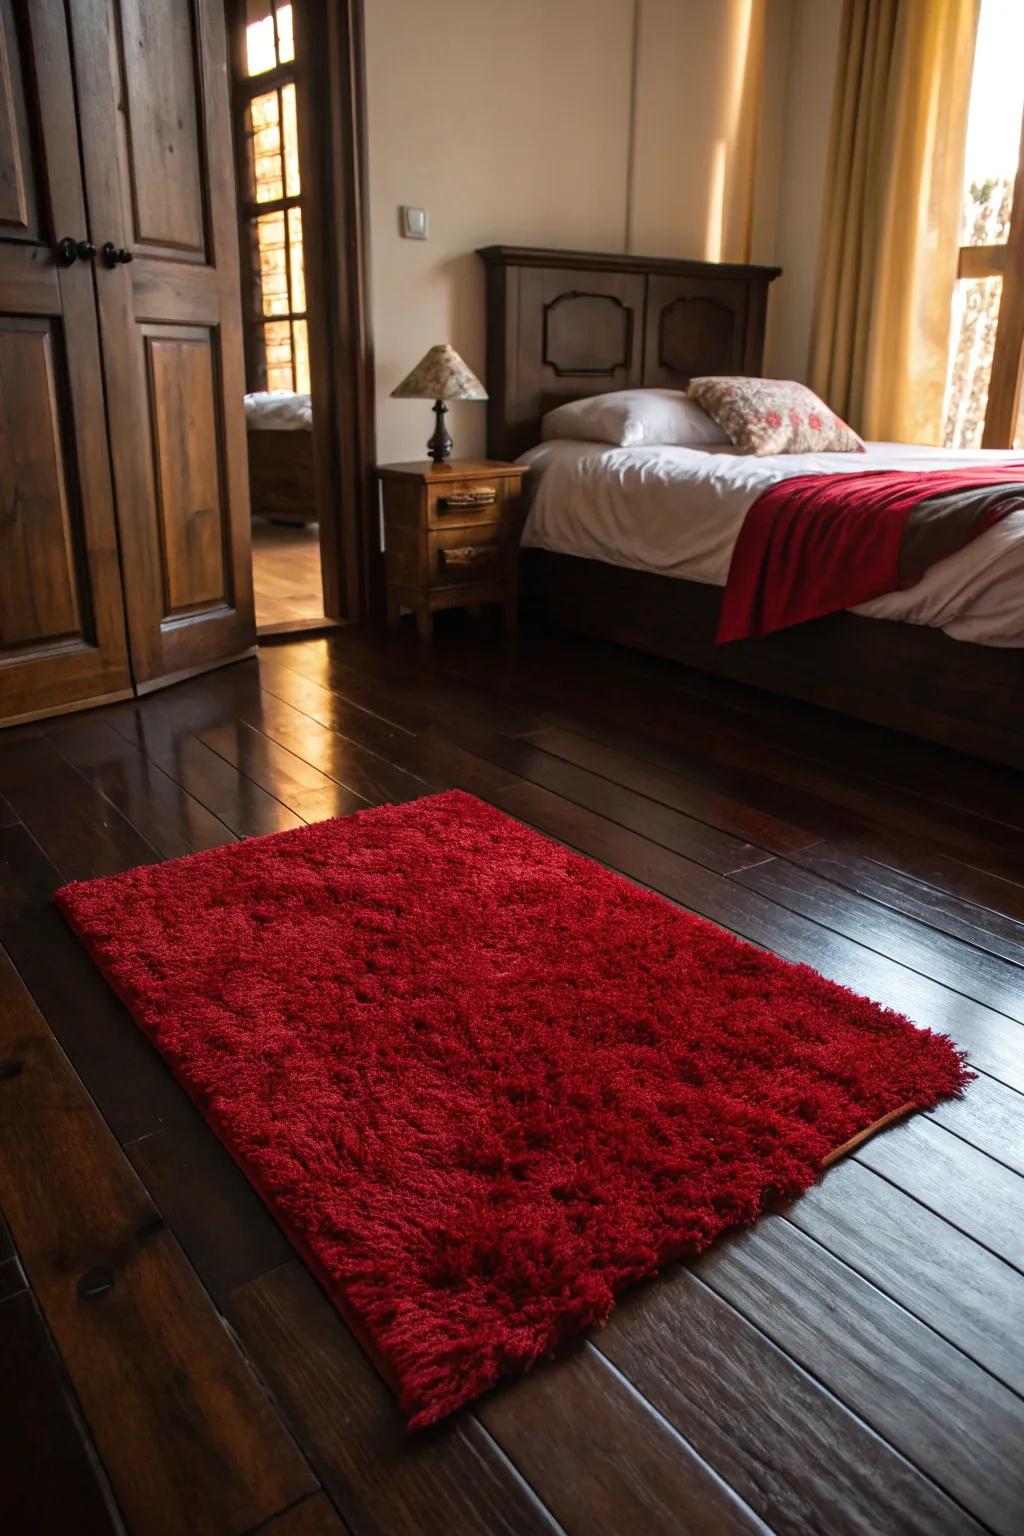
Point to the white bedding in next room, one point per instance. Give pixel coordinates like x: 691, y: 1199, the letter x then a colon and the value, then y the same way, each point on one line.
x: 279, y: 410
x: 678, y: 511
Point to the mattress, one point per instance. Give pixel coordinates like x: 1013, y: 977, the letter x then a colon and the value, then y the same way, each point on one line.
x: 678, y: 511
x: 278, y: 410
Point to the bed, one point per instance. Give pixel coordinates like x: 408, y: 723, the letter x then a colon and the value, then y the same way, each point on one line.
x: 280, y: 437
x: 605, y: 549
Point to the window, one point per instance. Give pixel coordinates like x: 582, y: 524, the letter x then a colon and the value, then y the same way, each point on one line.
x: 277, y: 341
x: 983, y: 392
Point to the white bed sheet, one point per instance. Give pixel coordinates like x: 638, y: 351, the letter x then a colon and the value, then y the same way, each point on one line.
x: 279, y: 410
x: 678, y: 512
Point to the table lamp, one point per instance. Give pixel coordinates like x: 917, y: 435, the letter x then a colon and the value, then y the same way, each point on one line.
x: 439, y: 376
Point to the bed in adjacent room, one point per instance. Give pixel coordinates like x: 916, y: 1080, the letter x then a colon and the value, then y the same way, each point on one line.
x: 633, y: 538
x: 280, y: 435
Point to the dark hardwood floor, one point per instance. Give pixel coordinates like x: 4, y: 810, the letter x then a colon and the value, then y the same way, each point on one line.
x: 853, y: 1365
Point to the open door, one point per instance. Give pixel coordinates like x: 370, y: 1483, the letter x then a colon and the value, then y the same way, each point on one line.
x: 156, y: 146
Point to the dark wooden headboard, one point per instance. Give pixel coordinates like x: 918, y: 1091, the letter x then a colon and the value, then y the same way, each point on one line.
x: 565, y: 324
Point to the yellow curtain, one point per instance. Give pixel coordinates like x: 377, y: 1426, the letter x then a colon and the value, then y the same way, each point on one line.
x: 891, y: 220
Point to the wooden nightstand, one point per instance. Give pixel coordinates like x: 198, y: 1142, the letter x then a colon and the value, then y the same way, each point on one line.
x: 451, y: 536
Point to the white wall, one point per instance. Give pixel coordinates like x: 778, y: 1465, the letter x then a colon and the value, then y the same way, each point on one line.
x: 587, y: 124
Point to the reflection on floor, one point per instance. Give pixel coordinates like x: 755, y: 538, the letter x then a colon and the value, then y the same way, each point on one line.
x: 285, y: 573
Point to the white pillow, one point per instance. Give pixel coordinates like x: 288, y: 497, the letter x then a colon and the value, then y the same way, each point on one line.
x: 634, y: 418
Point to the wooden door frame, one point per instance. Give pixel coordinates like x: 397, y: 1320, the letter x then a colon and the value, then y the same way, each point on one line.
x: 332, y: 140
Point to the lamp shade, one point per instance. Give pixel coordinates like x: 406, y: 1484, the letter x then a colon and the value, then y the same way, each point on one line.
x: 440, y: 375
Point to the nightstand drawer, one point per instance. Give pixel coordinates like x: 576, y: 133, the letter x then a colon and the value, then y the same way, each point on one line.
x: 451, y: 536
x: 460, y: 556
x: 465, y: 502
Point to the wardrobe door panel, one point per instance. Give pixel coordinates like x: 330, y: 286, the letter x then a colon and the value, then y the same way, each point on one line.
x: 40, y: 599
x: 62, y: 633
x: 163, y: 153
x: 158, y: 164
x: 19, y: 203
x: 182, y: 375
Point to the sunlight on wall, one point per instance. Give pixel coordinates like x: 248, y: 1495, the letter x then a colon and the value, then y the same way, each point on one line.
x: 733, y: 160
x: 699, y: 93
x: 714, y: 240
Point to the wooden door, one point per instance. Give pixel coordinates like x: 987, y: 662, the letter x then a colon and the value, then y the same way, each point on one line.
x: 156, y: 144
x: 62, y: 633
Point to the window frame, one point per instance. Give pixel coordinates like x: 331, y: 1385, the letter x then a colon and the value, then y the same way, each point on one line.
x: 246, y: 88
x: 1006, y: 262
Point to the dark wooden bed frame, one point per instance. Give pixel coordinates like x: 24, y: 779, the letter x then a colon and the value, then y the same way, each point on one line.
x: 281, y: 476
x: 562, y: 325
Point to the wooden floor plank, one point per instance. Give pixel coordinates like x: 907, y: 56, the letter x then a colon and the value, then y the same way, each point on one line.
x: 12, y: 1278
x: 952, y: 1420
x: 170, y: 820
x: 438, y: 762
x: 117, y: 1064
x: 50, y: 1478
x: 315, y: 1516
x: 291, y: 779
x: 671, y: 789
x: 368, y: 770
x: 875, y: 753
x: 945, y: 911
x: 973, y: 972
x: 640, y: 1474
x: 184, y: 1430
x: 964, y: 1186
x: 694, y: 732
x: 992, y: 1120
x: 921, y: 861
x: 166, y: 729
x: 89, y: 836
x: 968, y: 1295
x: 403, y: 683
x: 210, y: 1206
x: 800, y: 1451
x: 449, y: 1479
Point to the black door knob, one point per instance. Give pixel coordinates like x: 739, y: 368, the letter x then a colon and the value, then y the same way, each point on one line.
x: 115, y: 256
x: 69, y: 251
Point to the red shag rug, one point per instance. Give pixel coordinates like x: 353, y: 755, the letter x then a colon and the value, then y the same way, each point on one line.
x: 483, y: 1083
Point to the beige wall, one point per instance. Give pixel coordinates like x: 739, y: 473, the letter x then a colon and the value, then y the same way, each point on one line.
x: 813, y: 50
x: 594, y: 124
x: 516, y: 131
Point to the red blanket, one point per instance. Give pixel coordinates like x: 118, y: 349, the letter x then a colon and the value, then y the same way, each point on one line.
x: 817, y: 544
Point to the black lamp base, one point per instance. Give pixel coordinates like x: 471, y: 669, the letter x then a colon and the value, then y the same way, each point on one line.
x: 440, y: 445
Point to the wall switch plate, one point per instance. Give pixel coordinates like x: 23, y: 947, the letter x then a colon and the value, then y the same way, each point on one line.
x: 413, y: 223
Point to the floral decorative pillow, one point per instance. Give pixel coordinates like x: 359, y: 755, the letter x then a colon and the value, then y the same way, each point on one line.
x: 773, y: 416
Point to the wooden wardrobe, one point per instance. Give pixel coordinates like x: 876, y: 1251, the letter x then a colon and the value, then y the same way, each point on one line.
x: 124, y: 516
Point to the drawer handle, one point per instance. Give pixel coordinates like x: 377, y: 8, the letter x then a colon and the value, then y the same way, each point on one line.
x: 486, y: 496
x: 468, y: 555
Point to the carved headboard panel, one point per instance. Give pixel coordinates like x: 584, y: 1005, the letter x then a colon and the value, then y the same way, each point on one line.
x: 565, y: 324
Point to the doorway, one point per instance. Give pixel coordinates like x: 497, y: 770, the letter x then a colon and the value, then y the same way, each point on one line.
x: 302, y: 356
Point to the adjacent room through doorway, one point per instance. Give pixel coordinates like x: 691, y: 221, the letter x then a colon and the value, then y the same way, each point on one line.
x: 273, y: 185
